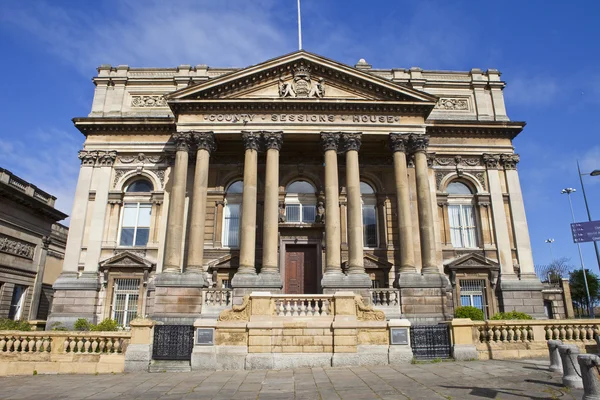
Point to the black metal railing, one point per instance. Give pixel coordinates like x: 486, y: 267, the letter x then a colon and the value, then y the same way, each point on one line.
x: 429, y: 342
x: 173, y: 342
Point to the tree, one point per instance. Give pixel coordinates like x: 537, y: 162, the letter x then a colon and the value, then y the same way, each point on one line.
x: 552, y: 273
x: 578, y: 292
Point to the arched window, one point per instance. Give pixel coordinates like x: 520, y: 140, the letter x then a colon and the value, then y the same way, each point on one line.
x: 461, y: 215
x: 232, y: 214
x: 136, y: 215
x: 369, y: 215
x: 300, y: 202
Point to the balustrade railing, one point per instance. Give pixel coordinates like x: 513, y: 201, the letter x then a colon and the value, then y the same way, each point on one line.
x: 217, y: 297
x: 511, y: 333
x: 303, y: 305
x: 385, y: 297
x: 519, y: 331
x: 569, y: 331
x: 63, y: 342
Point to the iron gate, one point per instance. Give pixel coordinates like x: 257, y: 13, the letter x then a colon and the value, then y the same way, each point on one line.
x: 173, y: 342
x: 430, y: 341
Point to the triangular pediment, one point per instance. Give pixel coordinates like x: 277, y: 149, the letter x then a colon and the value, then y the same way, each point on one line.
x: 472, y: 261
x: 126, y: 259
x: 301, y: 76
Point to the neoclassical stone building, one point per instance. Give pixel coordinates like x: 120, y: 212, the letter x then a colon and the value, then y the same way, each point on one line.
x: 299, y: 175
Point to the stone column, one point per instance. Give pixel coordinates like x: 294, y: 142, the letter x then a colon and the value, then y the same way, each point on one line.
x: 205, y: 145
x: 247, y: 268
x: 333, y: 265
x: 418, y: 145
x: 398, y: 143
x: 356, y: 267
x: 175, y: 224
x: 270, y: 274
x: 39, y: 279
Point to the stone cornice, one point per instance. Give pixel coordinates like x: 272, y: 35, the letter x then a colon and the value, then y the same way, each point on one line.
x: 492, y: 129
x: 130, y: 125
x: 30, y: 202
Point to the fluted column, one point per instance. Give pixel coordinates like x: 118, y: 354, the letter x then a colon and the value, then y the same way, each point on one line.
x: 248, y: 232
x: 352, y: 142
x: 418, y: 146
x: 176, y: 221
x: 273, y: 142
x: 205, y: 145
x: 398, y: 144
x: 333, y: 264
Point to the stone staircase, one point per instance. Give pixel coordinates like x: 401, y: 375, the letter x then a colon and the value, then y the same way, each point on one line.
x: 169, y: 366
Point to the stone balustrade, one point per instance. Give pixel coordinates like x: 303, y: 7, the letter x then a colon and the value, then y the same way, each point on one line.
x: 385, y: 297
x: 579, y: 331
x: 303, y: 305
x: 217, y: 297
x: 512, y: 333
x: 23, y: 352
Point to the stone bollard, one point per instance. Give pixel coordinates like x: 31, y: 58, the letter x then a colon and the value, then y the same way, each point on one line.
x: 588, y: 364
x: 555, y: 362
x: 571, y: 372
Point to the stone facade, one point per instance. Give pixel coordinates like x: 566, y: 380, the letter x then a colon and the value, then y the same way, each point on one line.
x: 382, y: 150
x: 32, y: 246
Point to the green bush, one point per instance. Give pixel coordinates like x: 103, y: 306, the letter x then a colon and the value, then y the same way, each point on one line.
x: 469, y: 312
x: 10, y: 325
x: 58, y: 326
x: 105, y: 326
x: 82, y: 324
x: 511, y: 315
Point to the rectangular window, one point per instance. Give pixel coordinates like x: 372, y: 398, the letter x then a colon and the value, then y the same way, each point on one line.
x: 369, y: 213
x: 472, y: 293
x: 462, y: 225
x: 226, y: 284
x: 135, y: 225
x: 300, y: 213
x: 126, y: 293
x: 17, y: 302
x: 231, y: 225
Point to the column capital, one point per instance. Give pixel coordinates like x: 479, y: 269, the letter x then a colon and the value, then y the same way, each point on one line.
x: 491, y: 160
x: 509, y: 161
x: 273, y: 139
x: 330, y: 141
x: 418, y: 143
x: 100, y: 158
x: 88, y: 158
x: 398, y: 142
x: 352, y: 141
x: 251, y: 140
x: 182, y: 140
x: 204, y: 141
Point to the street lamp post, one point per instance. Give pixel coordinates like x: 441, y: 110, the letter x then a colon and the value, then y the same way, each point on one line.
x: 595, y: 172
x: 568, y: 192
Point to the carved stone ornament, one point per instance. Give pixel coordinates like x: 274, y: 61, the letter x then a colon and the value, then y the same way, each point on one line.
x: 453, y: 104
x: 16, y: 247
x: 439, y: 177
x: 302, y: 85
x: 330, y: 141
x: 509, y: 161
x: 481, y: 178
x: 352, y: 141
x: 491, y: 160
x: 417, y: 143
x: 320, y: 217
x: 237, y: 313
x: 205, y: 141
x: 182, y: 140
x: 398, y: 142
x: 148, y: 101
x: 367, y: 313
x: 251, y: 140
x: 273, y: 140
x: 141, y: 158
x: 102, y: 158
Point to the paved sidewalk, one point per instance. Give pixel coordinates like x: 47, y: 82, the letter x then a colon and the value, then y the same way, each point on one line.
x: 520, y: 379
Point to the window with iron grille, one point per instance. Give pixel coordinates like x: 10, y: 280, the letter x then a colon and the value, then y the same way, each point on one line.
x: 126, y: 293
x: 472, y: 293
x: 226, y: 284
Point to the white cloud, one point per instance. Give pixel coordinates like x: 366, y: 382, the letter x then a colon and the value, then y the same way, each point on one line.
x: 531, y: 91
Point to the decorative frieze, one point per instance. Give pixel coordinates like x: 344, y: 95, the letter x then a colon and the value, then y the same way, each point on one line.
x: 453, y: 104
x: 457, y: 160
x: 100, y: 158
x: 16, y: 247
x: 148, y: 101
x: 141, y: 158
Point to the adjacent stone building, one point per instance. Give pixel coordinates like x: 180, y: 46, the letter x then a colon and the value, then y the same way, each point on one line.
x: 299, y: 175
x: 32, y: 245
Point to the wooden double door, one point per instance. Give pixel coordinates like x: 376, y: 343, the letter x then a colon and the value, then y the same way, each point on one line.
x: 301, y: 269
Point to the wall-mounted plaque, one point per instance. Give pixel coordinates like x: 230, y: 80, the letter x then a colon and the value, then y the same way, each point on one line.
x: 399, y: 336
x: 205, y: 336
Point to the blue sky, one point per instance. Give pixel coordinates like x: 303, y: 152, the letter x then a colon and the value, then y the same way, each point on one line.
x: 547, y: 52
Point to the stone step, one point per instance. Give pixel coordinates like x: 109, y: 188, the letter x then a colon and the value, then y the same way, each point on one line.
x: 169, y: 366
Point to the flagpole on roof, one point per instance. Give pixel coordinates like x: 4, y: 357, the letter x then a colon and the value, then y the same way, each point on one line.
x: 299, y: 28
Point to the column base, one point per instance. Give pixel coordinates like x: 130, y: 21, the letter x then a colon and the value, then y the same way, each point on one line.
x: 178, y: 297
x: 75, y: 296
x: 425, y: 298
x: 339, y: 280
x: 244, y: 284
x: 523, y: 295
